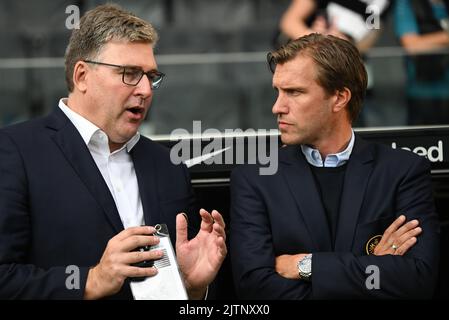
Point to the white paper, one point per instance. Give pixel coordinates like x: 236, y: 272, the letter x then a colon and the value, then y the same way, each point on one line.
x: 347, y: 21
x: 167, y: 284
x: 351, y: 22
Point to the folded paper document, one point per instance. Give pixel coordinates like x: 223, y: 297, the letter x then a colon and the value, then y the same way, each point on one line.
x: 167, y: 284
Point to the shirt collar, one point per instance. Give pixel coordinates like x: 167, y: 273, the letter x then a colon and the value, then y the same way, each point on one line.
x: 313, y: 156
x: 87, y: 129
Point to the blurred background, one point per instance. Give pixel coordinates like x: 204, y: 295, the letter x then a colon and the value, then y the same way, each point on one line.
x: 212, y: 51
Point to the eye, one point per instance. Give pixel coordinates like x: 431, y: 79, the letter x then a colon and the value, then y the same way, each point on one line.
x: 132, y: 73
x: 293, y: 92
x: 155, y: 76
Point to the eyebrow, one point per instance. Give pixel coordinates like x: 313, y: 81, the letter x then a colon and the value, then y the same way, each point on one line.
x: 130, y: 66
x: 294, y: 88
x: 290, y: 88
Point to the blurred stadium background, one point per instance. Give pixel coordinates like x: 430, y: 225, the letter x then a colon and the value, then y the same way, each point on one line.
x: 213, y: 52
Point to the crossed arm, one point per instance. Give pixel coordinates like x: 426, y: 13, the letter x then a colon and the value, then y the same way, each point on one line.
x: 260, y: 273
x: 397, y: 239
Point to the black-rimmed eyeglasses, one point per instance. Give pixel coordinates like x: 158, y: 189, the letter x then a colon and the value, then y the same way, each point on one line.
x: 132, y: 75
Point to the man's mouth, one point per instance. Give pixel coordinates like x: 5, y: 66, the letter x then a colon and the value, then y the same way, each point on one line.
x: 135, y: 113
x: 136, y: 110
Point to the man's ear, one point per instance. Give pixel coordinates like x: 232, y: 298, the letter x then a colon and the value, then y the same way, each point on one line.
x: 80, y: 72
x: 342, y: 98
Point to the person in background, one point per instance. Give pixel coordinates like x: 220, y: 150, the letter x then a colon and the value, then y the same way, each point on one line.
x: 423, y: 29
x: 360, y: 22
x: 349, y: 20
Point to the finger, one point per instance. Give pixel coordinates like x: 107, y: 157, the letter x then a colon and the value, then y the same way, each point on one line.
x: 206, y: 220
x: 410, y: 234
x: 134, y: 242
x: 406, y: 228
x: 222, y: 249
x: 132, y: 272
x: 218, y: 218
x: 220, y: 255
x: 385, y: 242
x: 219, y: 231
x: 397, y: 237
x: 135, y: 231
x: 406, y: 246
x: 206, y: 216
x: 139, y: 256
x: 181, y: 228
x: 395, y: 225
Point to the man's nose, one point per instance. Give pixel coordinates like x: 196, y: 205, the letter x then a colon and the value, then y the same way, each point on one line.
x: 280, y: 106
x: 144, y: 87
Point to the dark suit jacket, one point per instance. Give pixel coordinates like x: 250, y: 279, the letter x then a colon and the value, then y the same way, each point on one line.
x: 56, y: 209
x: 283, y: 214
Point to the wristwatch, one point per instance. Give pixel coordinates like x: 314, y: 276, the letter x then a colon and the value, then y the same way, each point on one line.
x: 305, y: 267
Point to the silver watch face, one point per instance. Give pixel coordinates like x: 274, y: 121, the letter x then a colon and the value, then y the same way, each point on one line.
x: 305, y: 265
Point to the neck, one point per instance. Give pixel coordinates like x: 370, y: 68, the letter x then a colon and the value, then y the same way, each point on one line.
x: 114, y: 146
x: 337, y: 141
x: 73, y: 102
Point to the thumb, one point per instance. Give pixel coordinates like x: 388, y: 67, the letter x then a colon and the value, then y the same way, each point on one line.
x: 181, y: 228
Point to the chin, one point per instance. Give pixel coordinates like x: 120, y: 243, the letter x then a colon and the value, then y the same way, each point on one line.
x: 290, y: 140
x: 124, y: 137
x: 129, y: 135
x: 131, y: 129
x: 286, y: 138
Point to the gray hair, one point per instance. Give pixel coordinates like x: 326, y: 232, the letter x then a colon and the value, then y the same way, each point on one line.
x: 99, y: 26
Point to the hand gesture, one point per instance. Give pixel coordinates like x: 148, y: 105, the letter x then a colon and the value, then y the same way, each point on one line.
x: 200, y: 258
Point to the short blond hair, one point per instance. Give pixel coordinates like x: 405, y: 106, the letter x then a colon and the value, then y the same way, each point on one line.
x: 99, y: 26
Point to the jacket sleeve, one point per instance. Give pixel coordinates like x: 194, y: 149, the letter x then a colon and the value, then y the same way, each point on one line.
x: 18, y: 278
x: 252, y: 253
x: 412, y: 276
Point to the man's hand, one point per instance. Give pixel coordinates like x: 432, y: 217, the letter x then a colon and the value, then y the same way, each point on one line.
x: 398, y: 238
x: 319, y: 25
x: 107, y: 277
x: 287, y: 265
x: 200, y: 258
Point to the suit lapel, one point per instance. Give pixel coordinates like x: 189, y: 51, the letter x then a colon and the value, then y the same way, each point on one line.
x: 302, y: 185
x: 358, y: 171
x: 145, y: 168
x: 76, y: 152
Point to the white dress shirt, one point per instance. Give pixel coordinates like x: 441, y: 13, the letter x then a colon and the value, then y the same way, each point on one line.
x: 313, y: 156
x: 117, y: 168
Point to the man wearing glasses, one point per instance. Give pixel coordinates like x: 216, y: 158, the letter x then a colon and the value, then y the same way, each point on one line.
x: 77, y: 186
